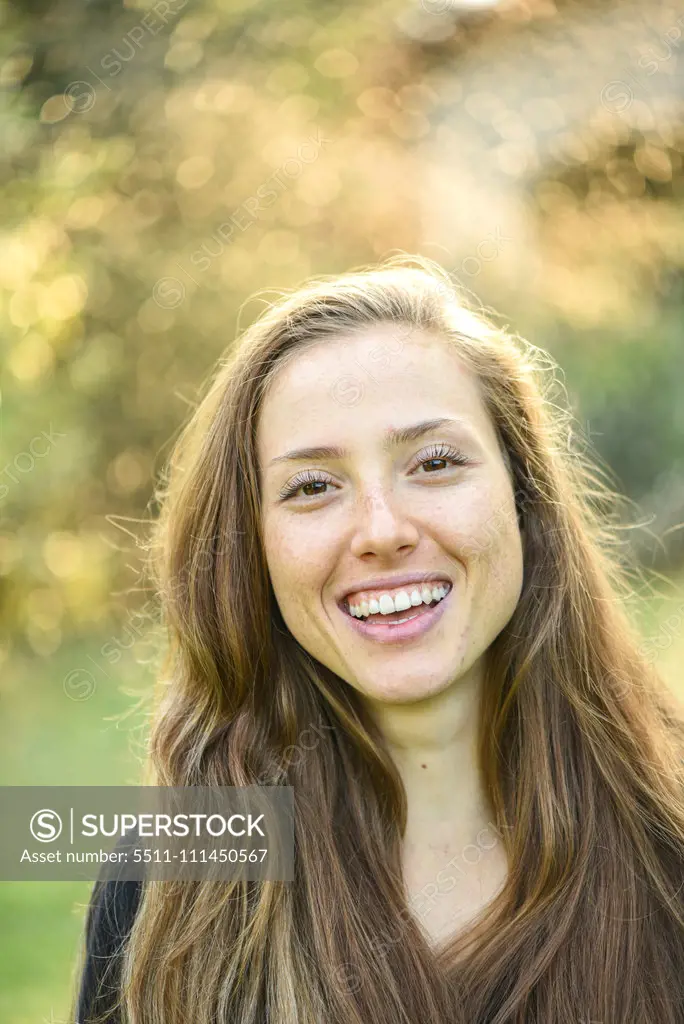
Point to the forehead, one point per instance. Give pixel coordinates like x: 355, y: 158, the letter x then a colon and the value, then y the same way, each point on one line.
x: 364, y: 382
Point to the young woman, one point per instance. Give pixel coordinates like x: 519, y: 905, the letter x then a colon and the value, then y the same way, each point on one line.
x: 387, y: 584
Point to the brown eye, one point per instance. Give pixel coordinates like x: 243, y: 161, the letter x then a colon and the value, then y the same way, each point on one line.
x: 444, y: 453
x: 314, y: 483
x: 307, y: 479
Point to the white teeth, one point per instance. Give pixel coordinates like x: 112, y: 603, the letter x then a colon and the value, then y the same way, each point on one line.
x: 401, y: 601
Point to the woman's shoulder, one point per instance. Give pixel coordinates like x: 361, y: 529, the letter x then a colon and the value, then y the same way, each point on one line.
x: 111, y: 912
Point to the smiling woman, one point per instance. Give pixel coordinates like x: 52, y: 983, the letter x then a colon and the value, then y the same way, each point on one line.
x: 409, y: 562
x: 409, y: 497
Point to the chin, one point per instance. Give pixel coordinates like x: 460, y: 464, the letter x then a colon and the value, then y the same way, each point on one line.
x: 405, y: 689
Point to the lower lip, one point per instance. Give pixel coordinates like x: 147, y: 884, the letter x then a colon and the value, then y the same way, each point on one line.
x: 397, y: 633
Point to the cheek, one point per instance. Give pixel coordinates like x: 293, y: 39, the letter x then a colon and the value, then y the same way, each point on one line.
x: 491, y: 545
x: 296, y: 562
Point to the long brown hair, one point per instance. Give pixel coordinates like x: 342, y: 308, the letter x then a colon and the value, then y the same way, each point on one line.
x: 580, y: 743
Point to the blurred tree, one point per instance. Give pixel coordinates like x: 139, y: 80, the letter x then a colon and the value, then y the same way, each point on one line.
x: 164, y: 159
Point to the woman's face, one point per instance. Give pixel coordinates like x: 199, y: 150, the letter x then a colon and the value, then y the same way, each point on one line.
x: 364, y: 514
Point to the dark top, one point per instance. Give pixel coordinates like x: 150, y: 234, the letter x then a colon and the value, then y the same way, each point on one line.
x: 111, y: 911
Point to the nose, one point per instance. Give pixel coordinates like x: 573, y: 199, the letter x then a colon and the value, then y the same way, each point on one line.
x: 381, y: 527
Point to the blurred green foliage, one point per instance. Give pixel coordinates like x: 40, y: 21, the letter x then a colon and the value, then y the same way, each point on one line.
x: 168, y: 162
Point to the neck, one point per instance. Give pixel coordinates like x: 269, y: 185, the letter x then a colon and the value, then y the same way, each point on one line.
x: 433, y: 743
x: 453, y: 860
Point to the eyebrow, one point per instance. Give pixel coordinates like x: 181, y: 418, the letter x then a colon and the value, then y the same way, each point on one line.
x: 394, y: 437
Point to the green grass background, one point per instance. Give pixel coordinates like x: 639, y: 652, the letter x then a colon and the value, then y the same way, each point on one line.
x: 50, y: 739
x: 53, y: 740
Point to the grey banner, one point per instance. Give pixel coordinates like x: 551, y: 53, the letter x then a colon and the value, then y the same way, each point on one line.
x: 159, y: 833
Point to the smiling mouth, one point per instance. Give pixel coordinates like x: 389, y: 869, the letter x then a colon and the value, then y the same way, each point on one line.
x: 398, y: 617
x: 400, y: 627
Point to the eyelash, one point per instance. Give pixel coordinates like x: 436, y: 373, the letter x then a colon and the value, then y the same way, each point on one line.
x: 440, y: 452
